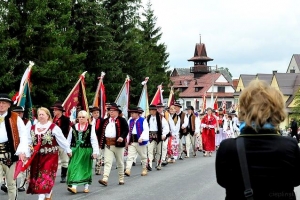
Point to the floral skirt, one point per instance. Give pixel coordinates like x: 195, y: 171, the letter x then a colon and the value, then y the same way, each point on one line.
x: 43, y: 171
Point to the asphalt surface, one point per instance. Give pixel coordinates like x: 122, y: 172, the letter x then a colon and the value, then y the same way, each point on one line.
x: 190, y: 179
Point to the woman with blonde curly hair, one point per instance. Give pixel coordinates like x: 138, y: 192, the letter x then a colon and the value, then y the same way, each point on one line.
x: 273, y: 161
x: 46, y: 138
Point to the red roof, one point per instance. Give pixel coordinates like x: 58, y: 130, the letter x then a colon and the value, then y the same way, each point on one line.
x: 200, y: 53
x: 204, y: 83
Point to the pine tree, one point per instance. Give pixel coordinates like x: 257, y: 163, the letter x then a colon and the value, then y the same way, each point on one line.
x: 40, y: 31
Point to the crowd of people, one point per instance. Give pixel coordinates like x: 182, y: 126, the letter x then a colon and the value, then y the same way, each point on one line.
x: 164, y: 136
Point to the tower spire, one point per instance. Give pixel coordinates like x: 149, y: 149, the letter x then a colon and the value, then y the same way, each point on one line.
x: 200, y: 38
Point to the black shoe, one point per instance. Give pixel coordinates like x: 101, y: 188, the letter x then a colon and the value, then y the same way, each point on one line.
x: 149, y: 168
x: 63, y: 179
x: 4, y: 188
x: 164, y: 163
x: 180, y: 158
x: 133, y: 164
x: 21, y: 189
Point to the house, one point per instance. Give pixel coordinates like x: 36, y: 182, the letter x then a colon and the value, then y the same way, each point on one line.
x: 202, y: 80
x: 294, y: 66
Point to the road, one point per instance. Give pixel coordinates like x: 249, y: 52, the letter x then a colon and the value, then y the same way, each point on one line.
x: 190, y: 179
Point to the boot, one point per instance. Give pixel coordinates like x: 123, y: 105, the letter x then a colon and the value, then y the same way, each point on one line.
x: 63, y: 174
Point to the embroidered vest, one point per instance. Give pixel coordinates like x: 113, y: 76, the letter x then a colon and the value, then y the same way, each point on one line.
x: 139, y: 129
x: 85, y: 137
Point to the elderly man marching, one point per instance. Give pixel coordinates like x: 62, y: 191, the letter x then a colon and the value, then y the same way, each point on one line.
x: 158, y: 129
x: 63, y: 122
x: 182, y: 132
x: 113, y: 133
x: 13, y: 143
x: 138, y: 138
x: 192, y: 125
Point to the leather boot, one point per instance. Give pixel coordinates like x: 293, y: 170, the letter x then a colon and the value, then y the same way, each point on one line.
x: 63, y: 174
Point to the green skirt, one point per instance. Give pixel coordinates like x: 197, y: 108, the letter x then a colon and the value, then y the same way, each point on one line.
x: 80, y: 166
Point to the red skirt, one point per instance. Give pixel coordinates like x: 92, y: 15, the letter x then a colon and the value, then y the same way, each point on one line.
x: 43, y: 173
x: 208, y: 139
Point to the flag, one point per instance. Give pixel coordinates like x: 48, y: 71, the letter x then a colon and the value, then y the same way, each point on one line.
x: 224, y: 106
x: 216, y: 103
x: 25, y: 78
x: 204, y: 103
x: 158, y: 96
x: 76, y: 100
x: 144, y: 102
x: 232, y: 108
x: 26, y: 103
x: 23, y: 97
x: 100, y: 96
x: 123, y: 97
x: 171, y: 99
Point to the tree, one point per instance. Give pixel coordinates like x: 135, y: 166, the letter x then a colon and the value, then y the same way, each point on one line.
x: 154, y: 54
x: 296, y: 108
x: 40, y: 30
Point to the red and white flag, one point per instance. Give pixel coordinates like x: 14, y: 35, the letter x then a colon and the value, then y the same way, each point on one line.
x: 76, y: 100
x: 171, y: 99
x: 158, y: 98
x: 100, y: 96
x: 204, y: 103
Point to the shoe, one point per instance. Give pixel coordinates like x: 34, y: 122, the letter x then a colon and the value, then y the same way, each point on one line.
x: 4, y: 188
x: 72, y: 190
x: 205, y: 154
x: 158, y: 167
x: 121, y: 183
x: 164, y: 163
x: 98, y: 173
x: 144, y: 172
x: 194, y: 155
x: 21, y: 189
x: 210, y: 154
x: 86, y: 191
x: 102, y: 182
x: 180, y: 158
x: 149, y: 168
x: 186, y: 156
x: 133, y: 164
x: 127, y: 172
x: 63, y: 179
x: 200, y: 150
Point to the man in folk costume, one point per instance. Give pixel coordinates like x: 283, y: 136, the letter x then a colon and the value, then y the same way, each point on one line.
x: 20, y: 110
x: 160, y: 109
x: 192, y: 126
x: 208, y: 123
x: 182, y: 132
x: 158, y: 130
x: 96, y: 122
x: 13, y: 143
x: 63, y: 122
x: 137, y: 139
x: 113, y: 133
x: 236, y: 123
x: 221, y: 134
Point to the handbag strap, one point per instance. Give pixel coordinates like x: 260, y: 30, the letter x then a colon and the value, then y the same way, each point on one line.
x: 248, y: 193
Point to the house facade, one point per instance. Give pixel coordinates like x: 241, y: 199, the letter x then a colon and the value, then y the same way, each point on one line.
x: 201, y: 82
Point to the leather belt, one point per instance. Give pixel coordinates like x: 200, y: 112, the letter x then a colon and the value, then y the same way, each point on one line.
x: 134, y: 138
x: 110, y: 141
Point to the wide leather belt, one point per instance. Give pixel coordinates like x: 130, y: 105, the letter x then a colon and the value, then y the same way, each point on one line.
x: 110, y: 141
x: 134, y: 138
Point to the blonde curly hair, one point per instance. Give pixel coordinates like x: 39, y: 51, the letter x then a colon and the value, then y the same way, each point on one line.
x: 260, y: 103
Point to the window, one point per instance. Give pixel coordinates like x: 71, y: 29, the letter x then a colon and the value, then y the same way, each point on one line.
x: 196, y: 89
x: 188, y: 103
x: 292, y: 71
x: 221, y: 89
x: 197, y: 105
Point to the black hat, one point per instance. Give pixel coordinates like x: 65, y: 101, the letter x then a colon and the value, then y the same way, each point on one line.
x: 177, y: 103
x: 95, y: 108
x: 152, y: 107
x: 220, y: 109
x: 18, y: 109
x: 58, y: 106
x: 160, y: 105
x: 5, y: 97
x: 140, y: 109
x: 114, y: 107
x: 233, y: 112
x: 190, y: 108
x: 135, y: 110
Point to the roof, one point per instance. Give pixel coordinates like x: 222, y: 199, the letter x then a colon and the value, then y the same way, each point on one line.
x: 235, y: 83
x: 200, y: 53
x: 295, y: 90
x: 180, y: 71
x: 246, y: 78
x: 297, y: 59
x: 265, y: 77
x: 286, y: 82
x: 203, y: 83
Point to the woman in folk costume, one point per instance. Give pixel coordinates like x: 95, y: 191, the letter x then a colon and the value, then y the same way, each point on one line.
x: 46, y: 138
x: 208, y: 123
x: 85, y: 148
x: 173, y: 144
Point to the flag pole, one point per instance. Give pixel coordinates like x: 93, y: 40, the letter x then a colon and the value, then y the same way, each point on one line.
x: 25, y: 82
x: 98, y: 87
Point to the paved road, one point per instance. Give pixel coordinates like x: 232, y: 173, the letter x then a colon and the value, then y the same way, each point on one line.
x: 191, y: 179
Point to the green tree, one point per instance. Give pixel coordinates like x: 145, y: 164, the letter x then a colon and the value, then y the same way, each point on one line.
x: 154, y: 53
x: 40, y: 30
x: 296, y: 109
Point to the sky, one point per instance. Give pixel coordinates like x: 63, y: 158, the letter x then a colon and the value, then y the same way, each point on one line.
x: 247, y: 37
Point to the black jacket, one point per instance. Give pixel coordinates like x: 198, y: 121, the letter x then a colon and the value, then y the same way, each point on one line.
x: 274, y: 166
x: 64, y: 124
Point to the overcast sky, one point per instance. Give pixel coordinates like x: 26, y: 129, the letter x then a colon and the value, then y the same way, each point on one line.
x: 246, y: 36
